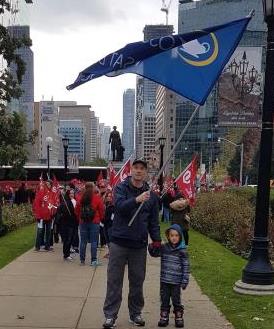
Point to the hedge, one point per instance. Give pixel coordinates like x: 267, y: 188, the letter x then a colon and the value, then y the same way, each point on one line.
x: 15, y: 216
x: 228, y: 217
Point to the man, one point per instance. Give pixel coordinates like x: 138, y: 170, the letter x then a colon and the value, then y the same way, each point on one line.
x: 115, y: 141
x: 44, y: 209
x: 128, y: 244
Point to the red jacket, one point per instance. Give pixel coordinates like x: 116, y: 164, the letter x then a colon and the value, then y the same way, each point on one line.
x: 44, y: 205
x: 96, y: 204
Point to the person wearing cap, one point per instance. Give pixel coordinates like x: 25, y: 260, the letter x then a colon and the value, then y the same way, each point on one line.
x: 128, y: 244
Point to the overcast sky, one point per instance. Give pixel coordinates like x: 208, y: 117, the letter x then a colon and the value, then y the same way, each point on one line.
x: 69, y: 35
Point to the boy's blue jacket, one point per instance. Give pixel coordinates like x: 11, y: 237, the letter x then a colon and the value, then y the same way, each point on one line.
x: 174, y: 260
x: 147, y: 221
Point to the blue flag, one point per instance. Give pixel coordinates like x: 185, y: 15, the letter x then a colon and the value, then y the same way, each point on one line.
x: 189, y: 64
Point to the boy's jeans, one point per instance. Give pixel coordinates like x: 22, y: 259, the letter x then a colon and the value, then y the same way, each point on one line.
x: 136, y: 261
x: 170, y: 291
x: 89, y: 232
x: 43, y: 227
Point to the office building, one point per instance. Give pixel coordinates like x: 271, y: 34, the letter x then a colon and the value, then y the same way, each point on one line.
x: 103, y: 139
x: 128, y: 122
x: 74, y: 130
x: 165, y: 122
x: 94, y: 132
x: 146, y: 100
x: 25, y: 103
x: 84, y: 114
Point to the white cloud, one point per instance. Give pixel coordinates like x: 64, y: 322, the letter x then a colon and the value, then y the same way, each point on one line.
x: 70, y: 35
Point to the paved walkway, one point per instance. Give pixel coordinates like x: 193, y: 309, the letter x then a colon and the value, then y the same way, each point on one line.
x: 40, y: 290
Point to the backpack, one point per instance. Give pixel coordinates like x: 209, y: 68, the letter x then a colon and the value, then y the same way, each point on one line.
x: 87, y: 213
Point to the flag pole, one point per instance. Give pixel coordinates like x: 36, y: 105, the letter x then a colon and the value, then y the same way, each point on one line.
x: 168, y: 158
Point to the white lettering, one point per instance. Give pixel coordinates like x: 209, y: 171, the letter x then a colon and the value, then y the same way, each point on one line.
x: 119, y: 61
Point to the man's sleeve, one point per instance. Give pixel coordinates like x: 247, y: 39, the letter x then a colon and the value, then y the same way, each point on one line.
x: 123, y: 204
x: 154, y: 225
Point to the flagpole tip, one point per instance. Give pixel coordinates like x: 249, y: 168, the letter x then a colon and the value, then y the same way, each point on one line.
x: 252, y: 13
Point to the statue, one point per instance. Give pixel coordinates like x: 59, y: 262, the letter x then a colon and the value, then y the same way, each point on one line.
x: 115, y: 141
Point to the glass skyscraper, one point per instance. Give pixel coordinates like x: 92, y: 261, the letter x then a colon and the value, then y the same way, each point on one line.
x: 128, y: 122
x: 146, y: 99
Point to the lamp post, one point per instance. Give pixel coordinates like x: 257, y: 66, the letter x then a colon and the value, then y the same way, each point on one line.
x: 162, y: 141
x: 258, y: 275
x: 65, y: 142
x: 49, y: 141
x: 243, y: 78
x: 242, y: 155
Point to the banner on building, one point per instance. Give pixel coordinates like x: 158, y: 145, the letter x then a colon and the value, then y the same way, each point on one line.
x: 73, y: 164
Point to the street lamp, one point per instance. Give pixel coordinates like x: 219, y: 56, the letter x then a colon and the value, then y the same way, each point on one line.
x: 243, y: 78
x: 258, y: 275
x: 49, y: 141
x: 65, y: 142
x: 162, y: 141
x: 242, y: 155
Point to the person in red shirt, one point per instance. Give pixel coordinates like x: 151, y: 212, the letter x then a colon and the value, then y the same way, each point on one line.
x: 44, y: 209
x: 90, y: 212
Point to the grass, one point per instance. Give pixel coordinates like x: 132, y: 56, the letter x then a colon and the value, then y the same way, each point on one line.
x: 216, y: 269
x: 15, y: 244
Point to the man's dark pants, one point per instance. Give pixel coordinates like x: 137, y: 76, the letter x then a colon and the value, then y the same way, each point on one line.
x: 46, y: 229
x: 170, y: 291
x: 68, y: 234
x: 136, y: 260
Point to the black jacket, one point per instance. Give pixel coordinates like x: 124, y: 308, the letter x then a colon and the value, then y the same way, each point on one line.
x: 65, y: 214
x: 109, y: 215
x: 147, y: 221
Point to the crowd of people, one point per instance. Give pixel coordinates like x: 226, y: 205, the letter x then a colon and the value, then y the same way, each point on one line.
x: 20, y: 195
x: 97, y: 216
x: 73, y: 216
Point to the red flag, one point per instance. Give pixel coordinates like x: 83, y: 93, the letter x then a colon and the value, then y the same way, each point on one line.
x: 122, y: 174
x: 100, y: 178
x: 111, y: 174
x: 186, y: 181
x: 55, y: 191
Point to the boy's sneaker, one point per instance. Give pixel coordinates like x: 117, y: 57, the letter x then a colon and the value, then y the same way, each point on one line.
x: 179, y: 320
x: 76, y: 250
x: 109, y: 323
x: 137, y: 321
x: 164, y: 319
x: 68, y: 259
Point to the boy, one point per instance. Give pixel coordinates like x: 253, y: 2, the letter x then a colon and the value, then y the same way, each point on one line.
x: 174, y: 274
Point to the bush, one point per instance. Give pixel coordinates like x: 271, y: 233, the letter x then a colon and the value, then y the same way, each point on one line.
x: 15, y: 216
x: 228, y: 217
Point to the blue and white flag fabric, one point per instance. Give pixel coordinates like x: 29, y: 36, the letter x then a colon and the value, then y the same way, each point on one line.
x: 189, y: 64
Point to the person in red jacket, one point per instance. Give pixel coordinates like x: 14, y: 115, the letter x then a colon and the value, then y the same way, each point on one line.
x: 90, y: 212
x: 44, y: 209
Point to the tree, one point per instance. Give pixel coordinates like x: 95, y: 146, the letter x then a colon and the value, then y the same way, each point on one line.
x: 98, y: 162
x: 13, y: 136
x: 250, y: 140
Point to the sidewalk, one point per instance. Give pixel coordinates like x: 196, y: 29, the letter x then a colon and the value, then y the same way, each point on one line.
x: 40, y: 290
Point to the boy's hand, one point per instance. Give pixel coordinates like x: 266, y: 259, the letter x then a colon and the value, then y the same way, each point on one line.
x: 184, y: 285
